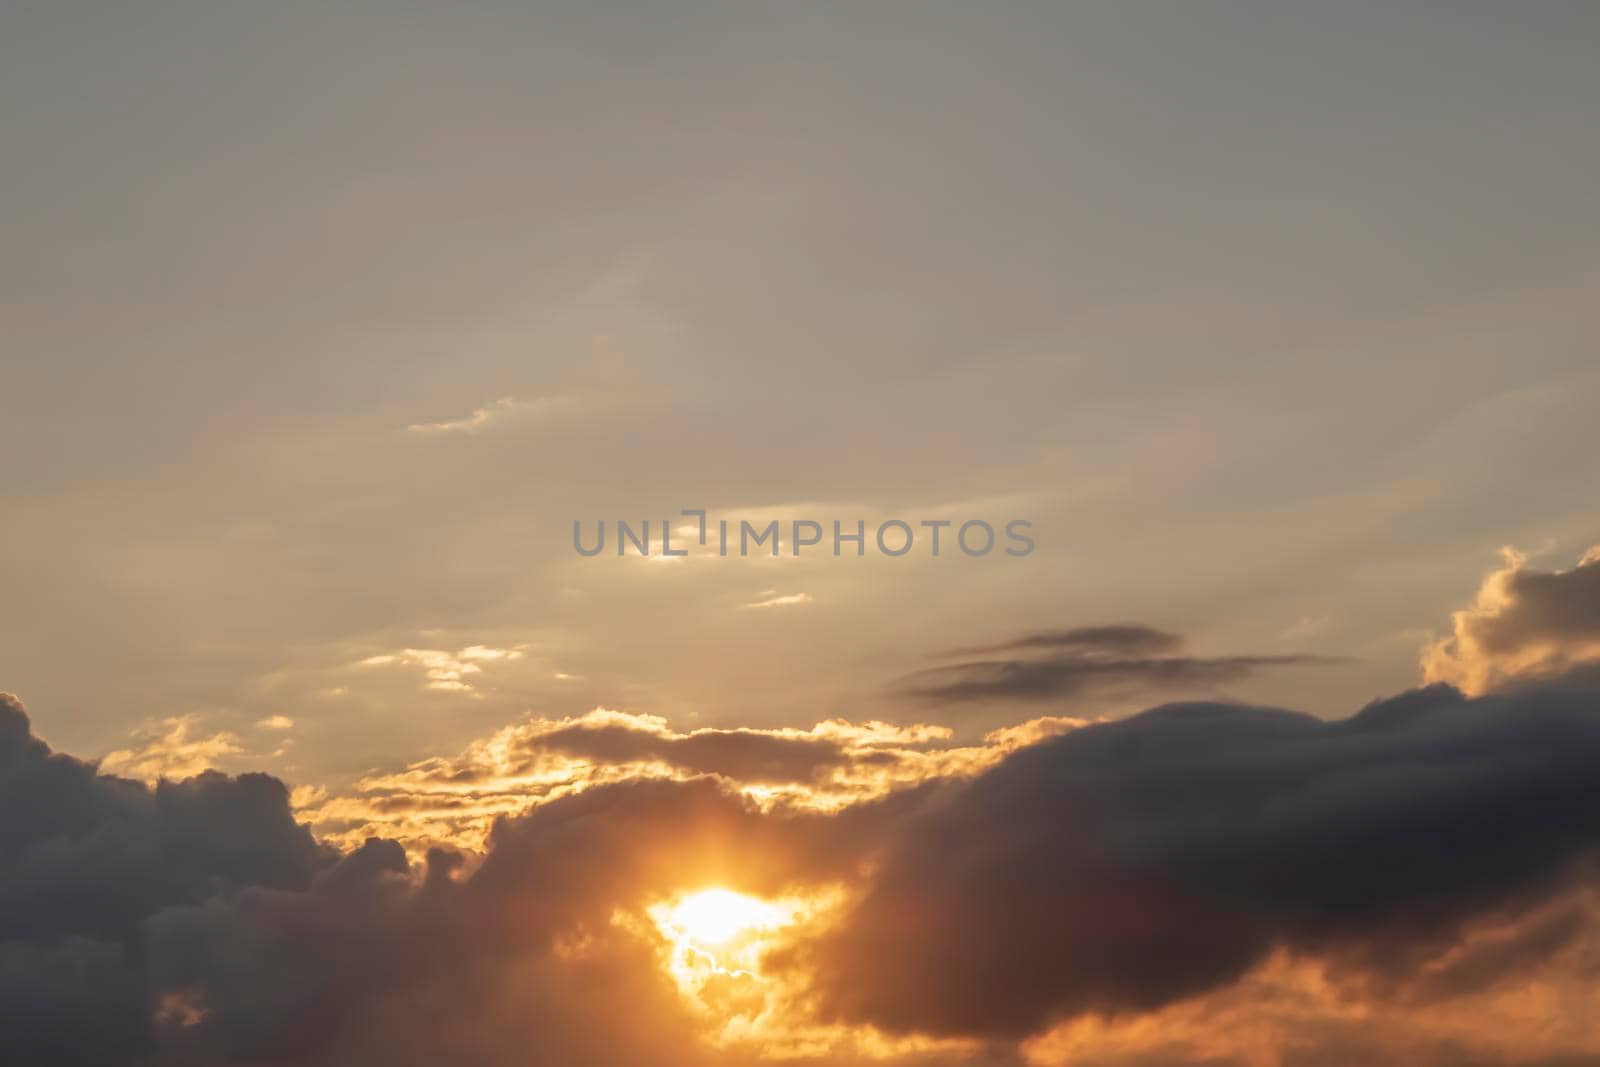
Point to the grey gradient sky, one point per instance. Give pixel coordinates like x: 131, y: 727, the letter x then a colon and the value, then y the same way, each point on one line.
x: 1277, y: 320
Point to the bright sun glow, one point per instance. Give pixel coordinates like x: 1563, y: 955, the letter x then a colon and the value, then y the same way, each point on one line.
x: 712, y: 918
x: 714, y: 942
x: 717, y: 932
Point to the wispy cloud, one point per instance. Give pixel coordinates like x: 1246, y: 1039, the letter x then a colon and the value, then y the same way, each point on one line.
x: 1062, y: 663
x: 491, y: 414
x: 771, y: 598
x: 445, y: 671
x: 169, y: 748
x: 1124, y: 638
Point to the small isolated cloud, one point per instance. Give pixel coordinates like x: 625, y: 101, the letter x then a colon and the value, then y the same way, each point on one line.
x: 1524, y: 623
x: 1121, y: 638
x: 445, y: 671
x: 276, y: 722
x: 502, y: 410
x: 771, y: 598
x: 170, y: 748
x: 1095, y: 659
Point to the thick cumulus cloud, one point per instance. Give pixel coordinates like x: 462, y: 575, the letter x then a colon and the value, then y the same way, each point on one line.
x: 194, y: 923
x: 517, y: 958
x: 1093, y: 660
x: 86, y: 858
x: 1129, y: 865
x: 1525, y: 622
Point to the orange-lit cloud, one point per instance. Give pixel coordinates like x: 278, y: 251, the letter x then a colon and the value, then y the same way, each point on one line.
x: 771, y: 598
x: 1197, y: 884
x: 442, y: 670
x: 504, y: 409
x: 832, y: 765
x: 1524, y: 623
x: 1510, y: 992
x: 171, y: 748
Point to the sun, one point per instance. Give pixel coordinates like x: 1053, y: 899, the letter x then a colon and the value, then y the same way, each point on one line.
x: 714, y: 938
x: 719, y: 947
x: 716, y: 933
x: 715, y: 918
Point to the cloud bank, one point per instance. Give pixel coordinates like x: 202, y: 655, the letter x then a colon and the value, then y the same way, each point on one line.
x: 1435, y: 849
x: 1201, y: 883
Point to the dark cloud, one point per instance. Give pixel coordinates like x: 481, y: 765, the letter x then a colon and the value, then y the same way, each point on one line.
x: 196, y: 923
x: 85, y: 858
x: 1064, y: 663
x: 1124, y: 639
x: 517, y: 957
x: 1124, y: 866
x: 745, y: 755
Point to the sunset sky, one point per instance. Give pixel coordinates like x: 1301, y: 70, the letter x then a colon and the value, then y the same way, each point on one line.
x: 324, y: 324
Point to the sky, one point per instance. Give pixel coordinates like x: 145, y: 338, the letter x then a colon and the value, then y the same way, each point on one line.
x: 324, y: 325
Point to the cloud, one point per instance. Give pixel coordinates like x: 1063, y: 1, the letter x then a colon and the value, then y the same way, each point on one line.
x: 499, y: 411
x: 445, y: 671
x: 772, y: 599
x: 1529, y: 1008
x: 87, y: 858
x: 832, y: 765
x: 167, y: 748
x: 1523, y: 623
x: 1066, y: 663
x: 194, y: 923
x: 1124, y: 639
x: 276, y: 722
x: 1129, y: 865
x: 743, y: 755
x: 1201, y: 884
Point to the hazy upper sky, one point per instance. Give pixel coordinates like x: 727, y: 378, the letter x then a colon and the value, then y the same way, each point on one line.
x: 1277, y: 321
